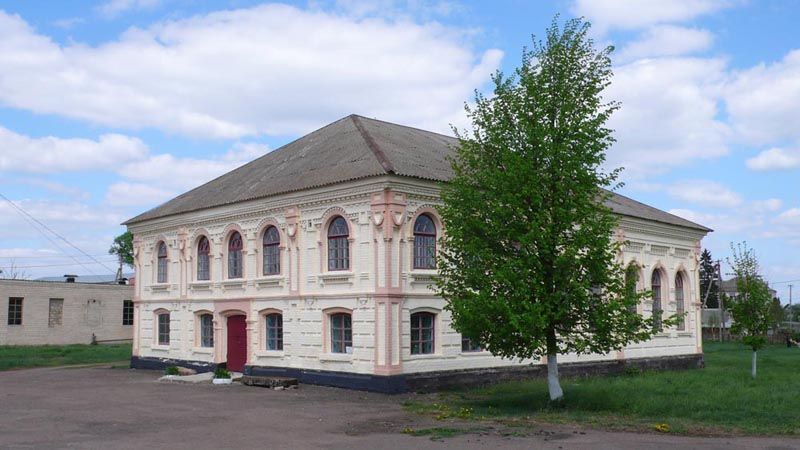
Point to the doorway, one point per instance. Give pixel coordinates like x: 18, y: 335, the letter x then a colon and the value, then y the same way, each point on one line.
x: 237, y: 343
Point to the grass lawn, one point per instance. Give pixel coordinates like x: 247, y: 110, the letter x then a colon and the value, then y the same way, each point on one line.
x: 23, y: 356
x: 722, y: 398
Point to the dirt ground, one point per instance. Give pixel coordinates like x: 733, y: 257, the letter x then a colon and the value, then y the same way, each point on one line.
x: 100, y: 407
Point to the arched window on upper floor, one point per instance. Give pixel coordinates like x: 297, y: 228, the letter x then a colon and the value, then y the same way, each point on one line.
x: 424, y: 242
x: 235, y: 261
x: 338, y: 245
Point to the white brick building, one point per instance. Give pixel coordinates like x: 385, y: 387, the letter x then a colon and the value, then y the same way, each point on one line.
x: 59, y: 313
x: 313, y: 261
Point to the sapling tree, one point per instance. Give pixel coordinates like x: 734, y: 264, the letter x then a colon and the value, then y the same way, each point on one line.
x: 529, y: 265
x: 751, y: 308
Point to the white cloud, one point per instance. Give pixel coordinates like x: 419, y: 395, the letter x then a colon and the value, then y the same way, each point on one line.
x: 667, y: 40
x: 775, y: 159
x: 669, y: 114
x: 271, y: 69
x: 152, y: 181
x: 789, y: 217
x: 730, y: 223
x: 764, y: 101
x: 770, y: 204
x: 706, y: 193
x: 50, y: 154
x: 114, y: 8
x: 630, y: 15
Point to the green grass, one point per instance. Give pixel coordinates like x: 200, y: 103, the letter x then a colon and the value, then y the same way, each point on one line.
x: 722, y: 398
x: 25, y: 356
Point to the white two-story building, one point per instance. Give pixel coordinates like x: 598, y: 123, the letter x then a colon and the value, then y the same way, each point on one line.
x: 315, y: 261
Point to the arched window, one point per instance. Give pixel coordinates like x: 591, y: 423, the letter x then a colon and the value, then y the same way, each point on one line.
x: 235, y: 255
x: 272, y: 251
x: 203, y: 267
x: 274, y: 331
x: 338, y: 245
x: 422, y: 328
x: 631, y: 282
x: 341, y: 333
x: 206, y: 330
x: 162, y: 262
x: 163, y: 328
x: 424, y: 243
x: 655, y: 284
x: 679, y: 303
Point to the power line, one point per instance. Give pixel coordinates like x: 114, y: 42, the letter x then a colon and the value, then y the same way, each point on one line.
x: 44, y: 257
x: 51, y: 265
x: 26, y: 214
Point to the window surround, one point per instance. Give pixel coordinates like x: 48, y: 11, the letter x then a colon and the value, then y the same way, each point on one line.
x: 156, y: 262
x: 156, y: 329
x: 663, y: 291
x: 335, y: 276
x: 262, y: 350
x: 424, y: 277
x: 424, y: 245
x: 327, y: 353
x: 437, y: 334
x: 680, y: 300
x: 639, y: 279
x: 226, y: 281
x: 196, y: 252
x: 198, y: 332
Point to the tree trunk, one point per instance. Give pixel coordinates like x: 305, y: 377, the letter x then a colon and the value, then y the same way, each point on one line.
x: 753, y: 370
x: 556, y: 394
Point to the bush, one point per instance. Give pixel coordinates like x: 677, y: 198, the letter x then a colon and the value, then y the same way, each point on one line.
x: 221, y: 373
x: 172, y: 370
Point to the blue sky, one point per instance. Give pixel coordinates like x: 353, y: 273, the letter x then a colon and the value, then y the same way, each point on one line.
x: 109, y: 108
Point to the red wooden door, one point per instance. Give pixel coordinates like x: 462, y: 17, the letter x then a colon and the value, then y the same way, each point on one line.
x: 237, y: 343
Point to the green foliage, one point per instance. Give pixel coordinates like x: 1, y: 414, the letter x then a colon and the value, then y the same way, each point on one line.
x: 123, y: 247
x: 721, y: 398
x: 172, y: 370
x: 708, y: 280
x: 752, y: 308
x: 221, y: 373
x: 528, y: 265
x: 25, y: 356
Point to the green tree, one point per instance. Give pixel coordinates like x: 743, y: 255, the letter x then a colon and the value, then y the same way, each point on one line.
x: 709, y: 285
x: 123, y: 247
x: 751, y: 308
x: 528, y: 265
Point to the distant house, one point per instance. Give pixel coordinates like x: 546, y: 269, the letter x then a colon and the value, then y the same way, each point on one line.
x: 713, y: 317
x: 58, y: 312
x: 315, y: 261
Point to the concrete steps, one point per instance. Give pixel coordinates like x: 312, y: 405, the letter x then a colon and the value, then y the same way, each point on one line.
x: 277, y: 383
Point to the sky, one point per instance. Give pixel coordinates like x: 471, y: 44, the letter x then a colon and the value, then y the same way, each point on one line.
x: 109, y: 108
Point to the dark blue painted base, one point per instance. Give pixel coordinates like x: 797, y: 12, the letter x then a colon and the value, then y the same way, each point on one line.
x: 436, y: 381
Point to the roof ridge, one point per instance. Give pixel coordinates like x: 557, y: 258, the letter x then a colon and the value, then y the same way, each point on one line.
x: 376, y: 149
x: 372, y: 119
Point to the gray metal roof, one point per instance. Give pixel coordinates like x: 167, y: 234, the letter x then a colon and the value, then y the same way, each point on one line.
x: 351, y: 148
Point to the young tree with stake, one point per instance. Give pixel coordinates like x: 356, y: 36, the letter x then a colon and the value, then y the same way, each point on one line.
x: 751, y: 309
x: 529, y: 266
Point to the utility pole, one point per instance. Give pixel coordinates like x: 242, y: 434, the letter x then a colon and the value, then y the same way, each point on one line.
x: 791, y: 311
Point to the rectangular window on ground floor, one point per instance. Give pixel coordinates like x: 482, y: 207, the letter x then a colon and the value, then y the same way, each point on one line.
x: 127, y: 312
x: 422, y: 341
x: 341, y: 333
x: 274, y: 331
x: 15, y: 311
x: 56, y: 312
x: 468, y: 345
x: 206, y: 330
x: 163, y: 329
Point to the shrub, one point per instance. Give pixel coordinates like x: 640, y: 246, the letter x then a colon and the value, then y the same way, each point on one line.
x: 172, y: 370
x: 221, y: 373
